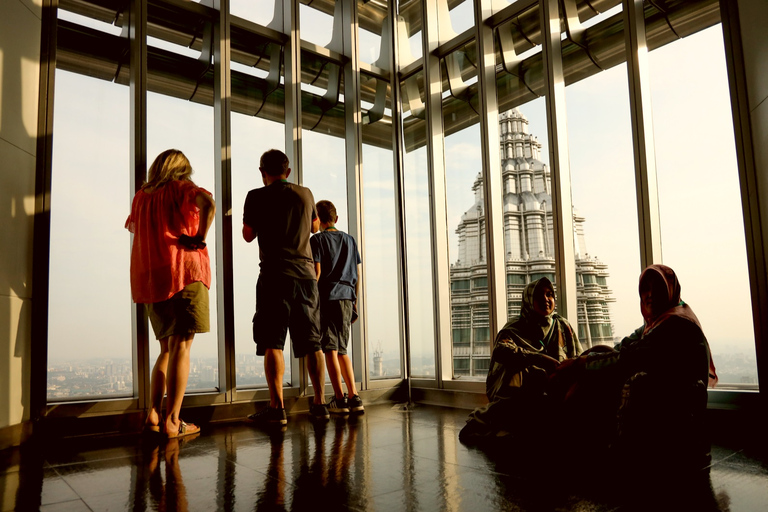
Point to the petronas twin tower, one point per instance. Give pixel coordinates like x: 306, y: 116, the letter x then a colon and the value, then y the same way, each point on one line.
x: 529, y: 250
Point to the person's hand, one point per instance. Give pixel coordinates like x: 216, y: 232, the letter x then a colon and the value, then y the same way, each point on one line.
x: 191, y: 242
x: 571, y: 365
x: 550, y: 364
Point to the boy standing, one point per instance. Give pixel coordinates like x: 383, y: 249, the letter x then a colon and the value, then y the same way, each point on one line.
x: 282, y: 215
x: 337, y: 265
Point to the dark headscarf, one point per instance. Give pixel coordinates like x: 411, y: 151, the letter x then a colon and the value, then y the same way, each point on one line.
x: 665, y: 296
x: 529, y: 333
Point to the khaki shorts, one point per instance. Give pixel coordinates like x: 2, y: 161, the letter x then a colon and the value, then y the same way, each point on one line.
x: 184, y: 313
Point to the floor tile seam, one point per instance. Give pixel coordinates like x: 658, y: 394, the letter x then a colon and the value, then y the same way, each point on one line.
x: 484, y: 469
x: 64, y: 479
x: 263, y: 473
x: 60, y: 475
x: 79, y: 498
x: 89, y: 461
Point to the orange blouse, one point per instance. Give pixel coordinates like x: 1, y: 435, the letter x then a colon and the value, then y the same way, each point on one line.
x: 160, y: 266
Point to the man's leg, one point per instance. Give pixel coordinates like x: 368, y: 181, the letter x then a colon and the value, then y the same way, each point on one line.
x: 335, y: 373
x: 316, y: 368
x: 178, y: 373
x: 274, y: 367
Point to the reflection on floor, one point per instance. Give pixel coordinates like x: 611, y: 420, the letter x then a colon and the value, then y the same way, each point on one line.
x: 390, y: 459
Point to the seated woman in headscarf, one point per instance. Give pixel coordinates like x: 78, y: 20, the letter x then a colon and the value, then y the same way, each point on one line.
x: 654, y: 382
x: 526, y: 351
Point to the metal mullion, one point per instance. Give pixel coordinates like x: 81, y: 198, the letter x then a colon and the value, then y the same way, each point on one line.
x: 137, y: 34
x: 42, y: 226
x: 438, y: 206
x: 649, y: 223
x: 756, y: 232
x: 222, y: 108
x: 562, y: 207
x: 354, y: 161
x: 292, y: 70
x: 491, y: 168
x: 398, y: 150
x: 509, y: 12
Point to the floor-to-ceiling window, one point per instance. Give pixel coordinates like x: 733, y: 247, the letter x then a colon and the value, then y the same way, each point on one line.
x: 89, y: 317
x: 702, y: 230
x: 437, y: 143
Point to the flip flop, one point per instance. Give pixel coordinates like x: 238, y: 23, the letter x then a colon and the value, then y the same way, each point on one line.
x: 151, y: 429
x: 185, y: 429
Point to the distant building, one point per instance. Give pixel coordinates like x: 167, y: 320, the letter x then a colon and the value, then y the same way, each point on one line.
x: 529, y: 249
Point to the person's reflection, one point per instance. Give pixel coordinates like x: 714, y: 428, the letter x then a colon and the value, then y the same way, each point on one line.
x: 342, y: 455
x: 273, y: 497
x: 170, y: 493
x: 313, y: 472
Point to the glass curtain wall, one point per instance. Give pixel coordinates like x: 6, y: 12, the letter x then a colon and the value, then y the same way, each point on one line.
x: 697, y: 180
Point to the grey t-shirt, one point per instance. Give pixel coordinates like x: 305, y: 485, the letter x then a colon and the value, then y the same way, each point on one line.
x: 337, y: 254
x: 281, y: 215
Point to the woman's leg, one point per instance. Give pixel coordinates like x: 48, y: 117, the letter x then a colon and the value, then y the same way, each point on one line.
x: 345, y: 364
x: 178, y: 373
x: 157, y: 385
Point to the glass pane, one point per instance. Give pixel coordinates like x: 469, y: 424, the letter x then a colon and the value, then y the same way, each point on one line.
x: 257, y: 125
x: 418, y: 237
x: 605, y: 207
x: 374, y: 33
x: 245, y: 177
x: 466, y: 216
x: 409, y: 44
x: 90, y: 248
x: 528, y: 226
x: 380, y: 255
x: 188, y: 127
x: 317, y: 23
x: 324, y: 169
x: 699, y: 199
x: 259, y: 11
x: 461, y: 17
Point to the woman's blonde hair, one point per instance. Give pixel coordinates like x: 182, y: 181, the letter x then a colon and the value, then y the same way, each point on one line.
x: 169, y: 165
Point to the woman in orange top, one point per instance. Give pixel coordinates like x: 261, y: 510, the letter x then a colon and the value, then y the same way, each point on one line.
x: 171, y: 274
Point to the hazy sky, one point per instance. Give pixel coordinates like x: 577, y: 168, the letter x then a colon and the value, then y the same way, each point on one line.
x: 702, y: 228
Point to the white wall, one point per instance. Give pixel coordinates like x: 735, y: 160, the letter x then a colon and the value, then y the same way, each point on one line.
x: 20, y: 23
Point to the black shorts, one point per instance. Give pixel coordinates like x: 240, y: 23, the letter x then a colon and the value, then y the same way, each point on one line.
x: 284, y: 303
x: 335, y: 321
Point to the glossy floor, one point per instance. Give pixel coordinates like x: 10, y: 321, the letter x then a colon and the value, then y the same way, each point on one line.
x: 391, y: 458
